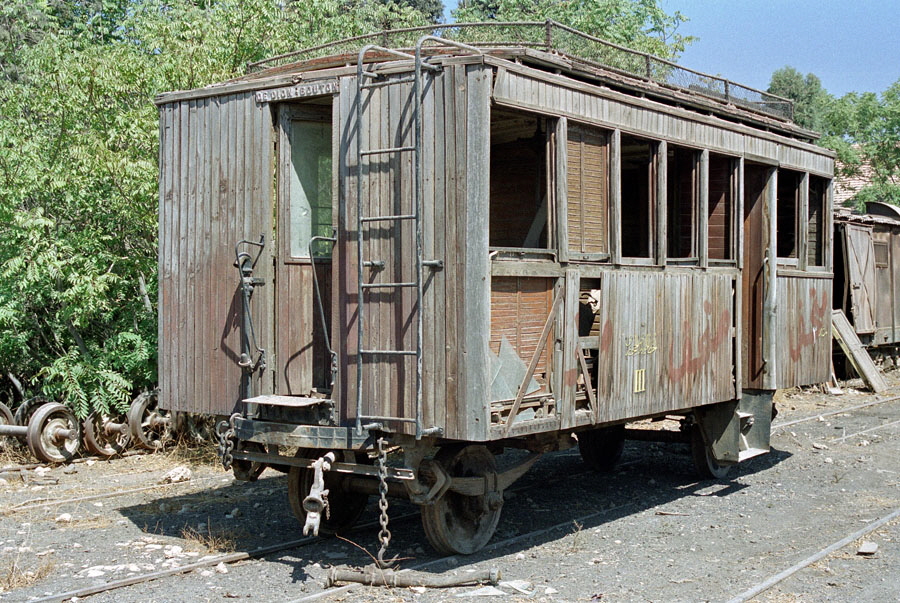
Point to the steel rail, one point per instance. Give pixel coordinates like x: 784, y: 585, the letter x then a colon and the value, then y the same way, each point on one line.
x: 779, y: 577
x: 292, y: 544
x: 834, y: 412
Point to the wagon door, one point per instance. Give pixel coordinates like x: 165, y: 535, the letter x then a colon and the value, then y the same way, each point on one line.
x: 304, y: 209
x: 859, y: 259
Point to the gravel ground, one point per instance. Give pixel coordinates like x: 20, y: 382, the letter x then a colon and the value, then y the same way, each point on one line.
x: 650, y: 531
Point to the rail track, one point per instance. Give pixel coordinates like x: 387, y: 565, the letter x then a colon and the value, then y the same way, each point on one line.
x: 259, y: 552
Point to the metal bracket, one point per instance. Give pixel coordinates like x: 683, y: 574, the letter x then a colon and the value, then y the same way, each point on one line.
x: 441, y: 484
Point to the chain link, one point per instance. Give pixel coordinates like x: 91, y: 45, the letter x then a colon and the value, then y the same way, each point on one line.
x: 227, y: 441
x: 384, y: 536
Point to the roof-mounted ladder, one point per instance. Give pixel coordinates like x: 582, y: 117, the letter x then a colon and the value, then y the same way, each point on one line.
x: 367, y: 80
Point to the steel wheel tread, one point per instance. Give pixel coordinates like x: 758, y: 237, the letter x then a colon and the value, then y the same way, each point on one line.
x: 140, y: 415
x: 458, y: 524
x: 707, y: 467
x: 40, y: 439
x: 97, y: 441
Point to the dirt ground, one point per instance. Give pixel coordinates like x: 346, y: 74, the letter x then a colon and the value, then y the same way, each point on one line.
x: 649, y: 531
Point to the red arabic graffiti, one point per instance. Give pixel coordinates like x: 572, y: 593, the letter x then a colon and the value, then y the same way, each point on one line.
x: 804, y: 337
x: 708, y: 344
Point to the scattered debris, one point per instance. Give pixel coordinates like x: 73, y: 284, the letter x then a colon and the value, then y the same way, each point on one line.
x: 64, y: 518
x: 819, y: 446
x: 521, y: 586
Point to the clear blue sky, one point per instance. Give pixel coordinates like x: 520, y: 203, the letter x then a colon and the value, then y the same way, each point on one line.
x: 852, y: 45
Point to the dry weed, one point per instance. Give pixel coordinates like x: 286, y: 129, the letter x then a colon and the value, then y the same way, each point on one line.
x: 212, y: 541
x: 13, y: 575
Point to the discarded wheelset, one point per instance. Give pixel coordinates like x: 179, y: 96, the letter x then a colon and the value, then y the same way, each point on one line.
x: 106, y: 435
x: 150, y: 426
x: 53, y: 434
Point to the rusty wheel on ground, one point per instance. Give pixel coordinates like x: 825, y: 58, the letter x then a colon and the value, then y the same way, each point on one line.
x: 345, y: 507
x: 27, y: 408
x: 706, y: 465
x: 150, y: 427
x: 106, y: 435
x: 6, y: 418
x: 601, y: 449
x: 54, y: 434
x: 456, y: 523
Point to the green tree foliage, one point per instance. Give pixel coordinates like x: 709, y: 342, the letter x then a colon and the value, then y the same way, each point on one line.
x: 79, y: 149
x: 810, y: 99
x: 864, y: 130
x: 638, y: 24
x: 78, y: 168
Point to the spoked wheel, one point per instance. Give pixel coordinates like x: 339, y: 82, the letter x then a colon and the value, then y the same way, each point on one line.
x: 456, y: 523
x: 704, y: 462
x: 344, y: 507
x: 6, y: 418
x: 601, y: 449
x: 106, y: 435
x: 54, y: 433
x: 149, y: 425
x: 27, y: 408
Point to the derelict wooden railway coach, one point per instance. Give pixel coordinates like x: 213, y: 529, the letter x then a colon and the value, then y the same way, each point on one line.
x: 454, y: 249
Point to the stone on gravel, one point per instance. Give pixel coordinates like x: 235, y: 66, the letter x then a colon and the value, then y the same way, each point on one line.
x: 867, y: 548
x: 176, y: 475
x: 95, y: 573
x: 484, y: 591
x: 173, y: 551
x: 550, y: 591
x: 222, y: 568
x: 64, y: 518
x: 819, y: 446
x: 70, y: 469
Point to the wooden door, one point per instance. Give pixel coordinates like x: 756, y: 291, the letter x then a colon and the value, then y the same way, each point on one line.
x: 756, y: 179
x: 859, y: 258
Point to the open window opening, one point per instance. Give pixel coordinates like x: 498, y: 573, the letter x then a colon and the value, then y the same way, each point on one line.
x: 815, y: 221
x: 638, y: 182
x: 788, y: 203
x: 587, y: 192
x: 519, y: 205
x: 683, y: 200
x: 310, y: 181
x: 722, y: 193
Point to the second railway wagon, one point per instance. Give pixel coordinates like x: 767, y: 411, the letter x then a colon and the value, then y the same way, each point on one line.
x: 444, y: 250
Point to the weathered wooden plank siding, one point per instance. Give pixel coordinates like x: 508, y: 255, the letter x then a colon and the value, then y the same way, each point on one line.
x: 589, y: 104
x: 215, y: 178
x: 677, y: 328
x: 803, y: 322
x: 457, y: 298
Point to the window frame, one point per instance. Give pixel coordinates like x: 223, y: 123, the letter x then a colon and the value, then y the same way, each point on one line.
x: 287, y: 114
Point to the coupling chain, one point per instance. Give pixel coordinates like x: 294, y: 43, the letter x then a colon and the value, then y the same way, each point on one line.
x: 384, y: 536
x: 227, y: 441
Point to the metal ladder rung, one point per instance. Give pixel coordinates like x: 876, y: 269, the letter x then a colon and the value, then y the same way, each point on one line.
x: 389, y: 352
x: 387, y: 150
x: 388, y: 218
x: 387, y: 285
x: 400, y: 80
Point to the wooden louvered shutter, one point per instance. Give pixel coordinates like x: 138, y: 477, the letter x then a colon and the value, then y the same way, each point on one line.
x: 588, y: 190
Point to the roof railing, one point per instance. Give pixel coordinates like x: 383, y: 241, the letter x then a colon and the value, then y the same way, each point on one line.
x: 560, y: 39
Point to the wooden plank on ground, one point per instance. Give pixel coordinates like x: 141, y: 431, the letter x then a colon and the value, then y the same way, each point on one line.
x: 855, y: 351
